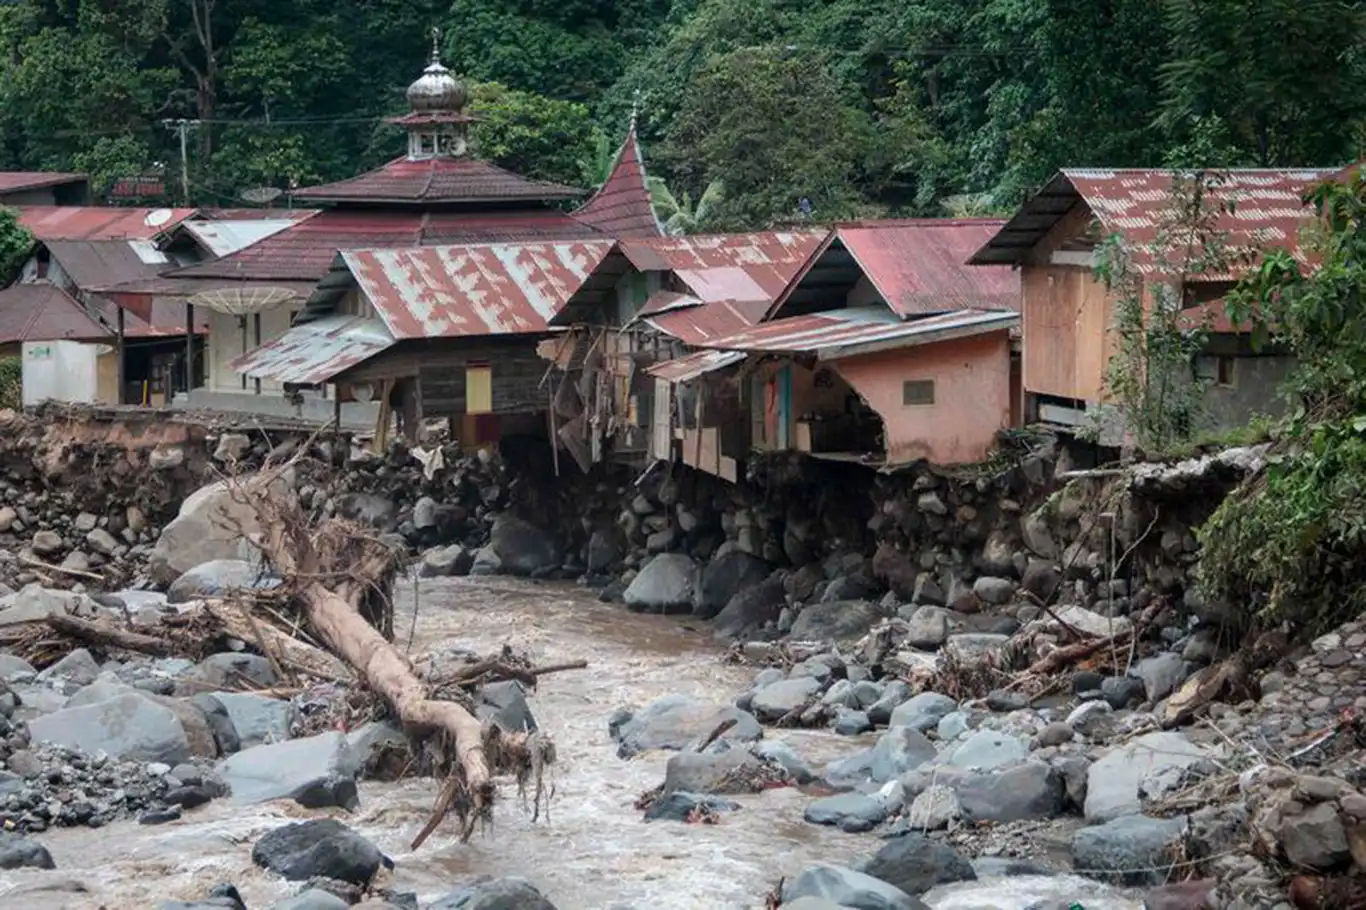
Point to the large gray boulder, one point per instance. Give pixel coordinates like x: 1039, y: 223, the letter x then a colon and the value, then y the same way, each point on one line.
x: 850, y: 812
x: 677, y: 722
x: 751, y: 609
x: 724, y: 577
x: 711, y: 773
x: 897, y: 751
x: 214, y: 522
x: 1113, y: 782
x: 847, y: 888
x: 217, y: 578
x: 775, y: 701
x: 987, y: 750
x: 835, y: 621
x: 522, y: 548
x: 34, y: 603
x: 316, y: 769
x: 1032, y: 790
x: 923, y: 711
x: 318, y: 848
x: 124, y: 727
x: 1133, y: 850
x: 665, y: 584
x: 257, y: 719
x: 915, y: 864
x: 504, y: 704
x: 510, y: 893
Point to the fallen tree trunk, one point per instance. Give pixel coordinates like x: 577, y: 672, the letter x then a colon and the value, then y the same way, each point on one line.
x: 105, y: 635
x: 341, y: 577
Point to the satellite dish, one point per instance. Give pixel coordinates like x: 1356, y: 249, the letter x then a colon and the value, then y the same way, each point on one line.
x: 362, y: 391
x: 262, y: 195
x: 157, y: 217
x: 241, y: 300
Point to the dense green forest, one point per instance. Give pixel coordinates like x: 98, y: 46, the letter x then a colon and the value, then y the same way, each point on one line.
x: 863, y: 107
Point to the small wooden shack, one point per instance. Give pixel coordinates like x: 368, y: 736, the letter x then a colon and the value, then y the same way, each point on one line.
x: 1068, y: 314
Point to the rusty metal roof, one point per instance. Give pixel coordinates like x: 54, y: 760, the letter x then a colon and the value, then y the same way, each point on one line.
x: 44, y: 312
x: 860, y: 330
x: 317, y: 351
x: 441, y: 179
x: 92, y: 222
x: 744, y: 267
x: 18, y: 181
x: 686, y: 369
x: 456, y: 291
x: 304, y: 251
x: 920, y: 266
x: 622, y: 207
x: 1268, y: 209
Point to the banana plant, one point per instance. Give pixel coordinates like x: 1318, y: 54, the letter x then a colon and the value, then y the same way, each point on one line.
x: 680, y: 216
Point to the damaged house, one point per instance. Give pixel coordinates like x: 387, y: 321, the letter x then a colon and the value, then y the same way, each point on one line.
x: 884, y: 349
x: 665, y: 297
x: 1068, y: 313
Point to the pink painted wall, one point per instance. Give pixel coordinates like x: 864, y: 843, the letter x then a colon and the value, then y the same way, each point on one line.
x: 971, y: 397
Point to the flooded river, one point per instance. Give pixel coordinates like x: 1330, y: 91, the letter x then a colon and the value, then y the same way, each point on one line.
x: 593, y: 852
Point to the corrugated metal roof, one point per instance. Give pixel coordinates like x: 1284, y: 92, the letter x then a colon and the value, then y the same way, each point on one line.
x: 843, y: 333
x: 622, y: 207
x: 91, y: 222
x: 768, y: 260
x: 455, y: 291
x: 1268, y: 210
x: 699, y: 324
x: 213, y: 214
x: 438, y: 179
x: 18, y: 181
x: 224, y: 237
x: 317, y: 351
x: 99, y: 264
x: 920, y: 266
x: 44, y: 312
x: 304, y: 251
x: 686, y: 369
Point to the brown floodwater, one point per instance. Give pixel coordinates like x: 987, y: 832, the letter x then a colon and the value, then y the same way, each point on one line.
x: 592, y: 852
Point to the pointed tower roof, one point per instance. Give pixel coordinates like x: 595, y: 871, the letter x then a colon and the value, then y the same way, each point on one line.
x: 621, y: 207
x: 438, y: 169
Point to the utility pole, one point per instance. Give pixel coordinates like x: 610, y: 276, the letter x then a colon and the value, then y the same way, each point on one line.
x: 182, y: 126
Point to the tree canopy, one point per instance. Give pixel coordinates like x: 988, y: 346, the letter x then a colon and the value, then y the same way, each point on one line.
x: 859, y: 106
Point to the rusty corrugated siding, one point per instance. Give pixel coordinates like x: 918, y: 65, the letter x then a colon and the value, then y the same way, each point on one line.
x: 821, y: 333
x: 92, y: 222
x: 317, y: 351
x: 455, y: 291
x: 437, y: 179
x: 621, y: 207
x: 920, y: 266
x: 1268, y: 210
x: 686, y: 369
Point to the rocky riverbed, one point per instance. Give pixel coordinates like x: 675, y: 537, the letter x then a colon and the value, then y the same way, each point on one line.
x: 593, y: 851
x: 1061, y: 785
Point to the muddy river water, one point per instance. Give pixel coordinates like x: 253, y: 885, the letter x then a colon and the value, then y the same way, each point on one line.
x: 593, y: 853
